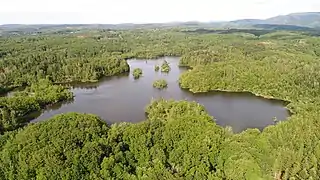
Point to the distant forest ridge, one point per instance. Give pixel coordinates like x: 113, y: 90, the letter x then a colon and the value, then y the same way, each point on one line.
x: 295, y: 21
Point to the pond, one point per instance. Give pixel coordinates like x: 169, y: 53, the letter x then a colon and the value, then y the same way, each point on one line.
x: 123, y: 99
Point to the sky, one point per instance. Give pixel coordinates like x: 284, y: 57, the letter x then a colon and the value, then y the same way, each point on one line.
x: 145, y: 11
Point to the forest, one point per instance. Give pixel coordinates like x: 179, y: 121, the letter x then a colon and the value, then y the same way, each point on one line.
x: 14, y: 110
x: 178, y: 139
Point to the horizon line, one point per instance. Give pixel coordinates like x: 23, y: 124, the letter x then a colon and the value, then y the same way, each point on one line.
x: 164, y: 22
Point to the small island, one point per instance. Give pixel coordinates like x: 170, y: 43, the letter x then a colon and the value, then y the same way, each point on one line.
x: 165, y: 67
x: 156, y: 68
x: 160, y: 84
x: 137, y: 73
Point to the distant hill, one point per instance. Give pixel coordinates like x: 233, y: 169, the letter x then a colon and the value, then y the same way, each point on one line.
x: 246, y: 22
x: 308, y: 19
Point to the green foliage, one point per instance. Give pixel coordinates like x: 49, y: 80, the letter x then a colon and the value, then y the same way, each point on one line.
x: 79, y: 146
x: 46, y: 93
x: 163, y: 109
x: 64, y: 147
x: 61, y: 59
x: 160, y: 84
x: 165, y: 67
x: 282, y: 69
x: 14, y: 109
x: 137, y: 73
x: 179, y: 140
x: 156, y: 68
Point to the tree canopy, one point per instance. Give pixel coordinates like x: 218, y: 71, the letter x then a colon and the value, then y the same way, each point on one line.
x: 178, y: 139
x: 15, y: 109
x: 160, y: 84
x: 165, y: 67
x: 137, y: 73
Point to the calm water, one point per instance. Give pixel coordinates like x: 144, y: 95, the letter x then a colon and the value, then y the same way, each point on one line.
x: 123, y: 98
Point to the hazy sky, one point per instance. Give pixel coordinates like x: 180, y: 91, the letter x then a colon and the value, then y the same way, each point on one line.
x: 142, y: 11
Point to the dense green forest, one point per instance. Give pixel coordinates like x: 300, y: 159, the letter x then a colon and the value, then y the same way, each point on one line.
x: 178, y: 139
x: 15, y: 109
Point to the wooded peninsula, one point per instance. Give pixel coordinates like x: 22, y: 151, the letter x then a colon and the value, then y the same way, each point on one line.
x: 178, y: 139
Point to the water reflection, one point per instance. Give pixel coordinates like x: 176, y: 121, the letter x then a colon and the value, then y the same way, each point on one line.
x: 122, y: 98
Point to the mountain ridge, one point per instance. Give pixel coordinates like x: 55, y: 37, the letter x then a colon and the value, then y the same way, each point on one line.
x: 305, y: 19
x: 300, y: 19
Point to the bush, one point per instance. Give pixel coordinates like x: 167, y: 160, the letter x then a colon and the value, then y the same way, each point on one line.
x: 156, y: 68
x: 165, y: 67
x: 160, y: 84
x: 137, y: 73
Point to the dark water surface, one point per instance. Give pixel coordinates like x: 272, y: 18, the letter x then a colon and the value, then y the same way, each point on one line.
x: 123, y: 99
